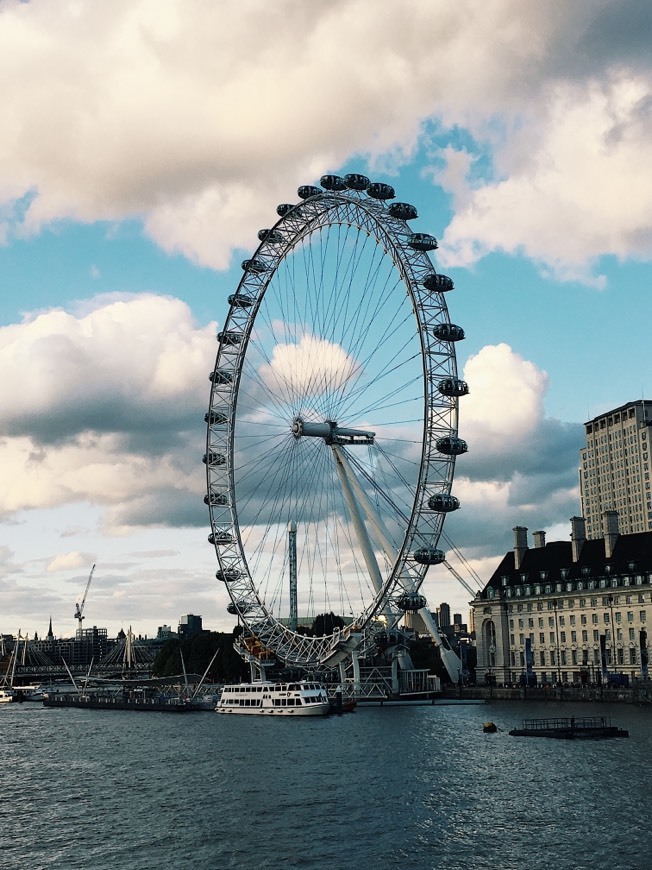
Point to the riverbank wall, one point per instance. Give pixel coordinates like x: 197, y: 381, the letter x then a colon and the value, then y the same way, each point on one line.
x: 637, y: 694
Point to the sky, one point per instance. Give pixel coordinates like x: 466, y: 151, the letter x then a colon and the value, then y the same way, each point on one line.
x: 143, y: 143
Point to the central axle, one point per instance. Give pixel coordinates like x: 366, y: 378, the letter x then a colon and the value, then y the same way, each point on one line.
x: 331, y: 432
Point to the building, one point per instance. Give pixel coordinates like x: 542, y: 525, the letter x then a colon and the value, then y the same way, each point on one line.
x: 615, y: 469
x: 189, y: 626
x: 443, y: 615
x: 567, y: 611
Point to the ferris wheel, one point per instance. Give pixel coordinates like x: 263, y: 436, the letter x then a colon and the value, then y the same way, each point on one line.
x: 332, y: 428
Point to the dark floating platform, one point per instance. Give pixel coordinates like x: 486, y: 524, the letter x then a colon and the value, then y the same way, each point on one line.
x: 113, y: 702
x: 570, y: 728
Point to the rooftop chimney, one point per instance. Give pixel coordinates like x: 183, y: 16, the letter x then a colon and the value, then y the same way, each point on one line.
x: 520, y: 545
x: 539, y: 539
x: 578, y: 536
x: 610, y: 530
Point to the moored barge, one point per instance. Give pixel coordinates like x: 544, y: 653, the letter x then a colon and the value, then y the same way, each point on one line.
x: 570, y: 728
x: 137, y: 702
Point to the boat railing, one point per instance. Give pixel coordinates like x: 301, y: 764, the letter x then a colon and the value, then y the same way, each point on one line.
x: 563, y: 722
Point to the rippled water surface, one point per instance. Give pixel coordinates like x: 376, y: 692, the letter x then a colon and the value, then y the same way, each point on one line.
x: 401, y: 787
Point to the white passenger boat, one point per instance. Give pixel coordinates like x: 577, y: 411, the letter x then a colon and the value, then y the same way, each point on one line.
x: 274, y: 699
x: 5, y: 696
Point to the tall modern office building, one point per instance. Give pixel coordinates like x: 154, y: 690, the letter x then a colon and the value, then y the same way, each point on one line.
x: 615, y: 469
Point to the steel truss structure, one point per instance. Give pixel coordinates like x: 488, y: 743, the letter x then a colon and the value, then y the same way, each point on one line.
x: 338, y: 327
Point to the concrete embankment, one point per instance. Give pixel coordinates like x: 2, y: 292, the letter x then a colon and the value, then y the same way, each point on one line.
x: 640, y: 693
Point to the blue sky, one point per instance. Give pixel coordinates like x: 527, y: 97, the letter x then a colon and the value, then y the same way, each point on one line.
x: 144, y: 145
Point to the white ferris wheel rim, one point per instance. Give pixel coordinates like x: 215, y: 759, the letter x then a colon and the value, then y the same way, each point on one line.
x: 237, y: 375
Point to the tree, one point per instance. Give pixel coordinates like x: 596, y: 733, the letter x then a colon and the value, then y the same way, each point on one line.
x: 326, y: 623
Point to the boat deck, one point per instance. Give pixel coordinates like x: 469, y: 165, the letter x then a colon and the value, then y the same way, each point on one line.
x: 570, y: 728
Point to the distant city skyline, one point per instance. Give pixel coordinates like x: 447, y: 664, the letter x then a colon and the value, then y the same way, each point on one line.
x: 141, y: 153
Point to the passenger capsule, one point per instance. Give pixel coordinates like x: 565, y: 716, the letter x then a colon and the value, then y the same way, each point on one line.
x: 378, y: 190
x: 438, y: 283
x: 220, y: 537
x: 450, y: 445
x: 216, y: 499
x: 227, y: 576
x: 448, y: 332
x: 284, y: 208
x: 443, y: 502
x: 237, y: 607
x: 332, y: 182
x: 215, y: 418
x: 453, y: 387
x: 229, y: 338
x: 308, y: 190
x: 220, y: 376
x: 254, y: 265
x: 212, y: 458
x: 403, y: 211
x: 411, y: 601
x: 429, y: 556
x: 422, y: 242
x: 240, y: 300
x: 271, y: 236
x: 354, y: 181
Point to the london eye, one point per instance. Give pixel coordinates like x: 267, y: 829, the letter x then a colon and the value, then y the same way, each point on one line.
x: 332, y: 428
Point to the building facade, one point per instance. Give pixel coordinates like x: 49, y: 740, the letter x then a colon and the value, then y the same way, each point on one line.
x: 615, y: 469
x: 567, y: 612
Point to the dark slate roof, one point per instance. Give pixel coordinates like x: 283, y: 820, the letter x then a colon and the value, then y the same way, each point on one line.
x: 632, y: 554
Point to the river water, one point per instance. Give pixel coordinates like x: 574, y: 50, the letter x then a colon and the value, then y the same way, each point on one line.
x: 400, y: 787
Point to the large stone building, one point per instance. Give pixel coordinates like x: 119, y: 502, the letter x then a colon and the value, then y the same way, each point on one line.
x: 567, y: 611
x: 615, y: 469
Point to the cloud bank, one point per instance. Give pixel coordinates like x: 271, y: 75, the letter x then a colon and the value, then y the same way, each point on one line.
x: 197, y: 117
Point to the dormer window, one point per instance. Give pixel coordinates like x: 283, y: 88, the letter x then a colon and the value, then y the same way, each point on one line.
x: 504, y: 579
x: 586, y: 571
x: 543, y: 575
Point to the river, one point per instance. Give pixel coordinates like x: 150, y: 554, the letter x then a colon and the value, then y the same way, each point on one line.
x: 403, y: 787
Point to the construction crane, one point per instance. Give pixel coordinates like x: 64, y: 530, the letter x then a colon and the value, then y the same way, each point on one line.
x: 79, y: 607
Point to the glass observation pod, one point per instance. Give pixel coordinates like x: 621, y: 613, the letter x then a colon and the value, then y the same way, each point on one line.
x: 451, y: 445
x: 230, y: 338
x: 239, y: 300
x: 220, y: 537
x: 271, y: 236
x: 254, y: 265
x: 227, y: 576
x: 438, y: 283
x: 422, y: 242
x: 237, y: 607
x: 429, y: 556
x: 453, y: 387
x: 308, y: 190
x: 215, y: 418
x: 213, y: 458
x: 284, y: 208
x: 378, y: 190
x: 448, y: 332
x: 332, y: 182
x: 216, y: 498
x: 411, y: 601
x: 355, y: 181
x: 403, y: 210
x: 443, y: 502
